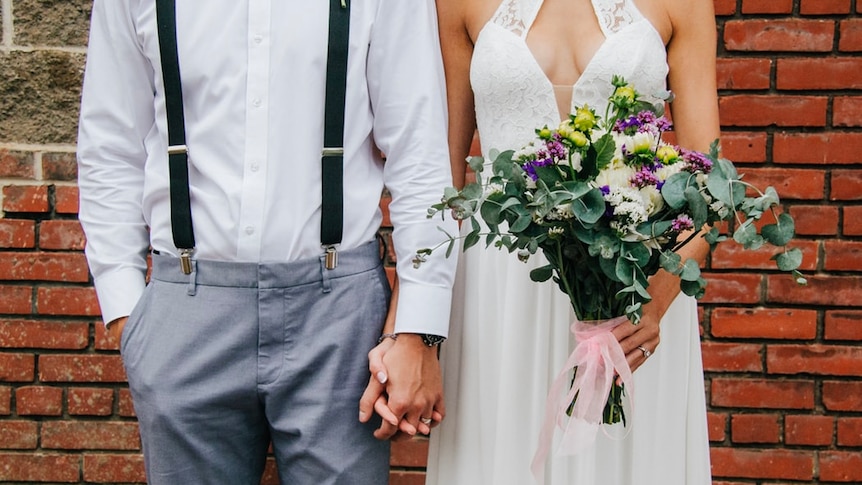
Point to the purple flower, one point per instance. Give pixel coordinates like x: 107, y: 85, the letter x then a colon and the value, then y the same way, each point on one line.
x: 681, y: 223
x: 695, y: 161
x: 645, y: 176
x: 530, y: 167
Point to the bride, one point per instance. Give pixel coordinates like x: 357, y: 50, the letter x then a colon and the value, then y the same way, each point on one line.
x: 512, y: 67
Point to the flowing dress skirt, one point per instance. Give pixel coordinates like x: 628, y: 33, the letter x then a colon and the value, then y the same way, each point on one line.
x: 508, y: 340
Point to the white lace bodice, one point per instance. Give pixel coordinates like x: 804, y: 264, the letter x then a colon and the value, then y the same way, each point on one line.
x: 513, y: 96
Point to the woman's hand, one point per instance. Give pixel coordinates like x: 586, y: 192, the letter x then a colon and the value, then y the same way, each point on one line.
x: 639, y: 341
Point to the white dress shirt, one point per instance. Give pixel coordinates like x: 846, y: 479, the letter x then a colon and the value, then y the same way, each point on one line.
x: 253, y: 76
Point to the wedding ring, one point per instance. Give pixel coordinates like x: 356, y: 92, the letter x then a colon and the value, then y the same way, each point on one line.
x: 425, y: 420
x: 646, y: 352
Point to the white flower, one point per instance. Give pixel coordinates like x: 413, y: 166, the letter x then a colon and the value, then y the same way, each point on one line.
x: 618, y: 175
x: 640, y: 142
x: 654, y: 202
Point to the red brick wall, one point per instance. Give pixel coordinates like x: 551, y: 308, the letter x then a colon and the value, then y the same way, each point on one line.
x: 783, y: 363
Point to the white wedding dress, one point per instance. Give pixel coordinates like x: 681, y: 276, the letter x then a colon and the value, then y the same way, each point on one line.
x: 510, y: 337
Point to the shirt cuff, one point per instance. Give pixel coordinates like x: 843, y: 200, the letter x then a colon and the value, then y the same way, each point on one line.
x: 423, y: 309
x: 119, y: 292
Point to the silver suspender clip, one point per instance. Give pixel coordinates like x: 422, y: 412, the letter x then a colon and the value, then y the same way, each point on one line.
x: 186, y: 260
x: 330, y: 253
x: 332, y: 152
x: 175, y: 149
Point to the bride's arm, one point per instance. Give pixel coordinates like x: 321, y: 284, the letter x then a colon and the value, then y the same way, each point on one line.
x: 457, y: 49
x: 691, y: 57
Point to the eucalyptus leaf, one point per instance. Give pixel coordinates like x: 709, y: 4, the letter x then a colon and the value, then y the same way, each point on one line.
x: 693, y: 288
x: 745, y: 233
x: 521, y: 223
x: 671, y: 262
x: 589, y: 208
x: 477, y: 164
x: 780, y: 233
x: 471, y: 239
x: 690, y: 271
x: 674, y: 188
x: 625, y: 271
x: 542, y: 273
x: 789, y: 260
x: 697, y: 207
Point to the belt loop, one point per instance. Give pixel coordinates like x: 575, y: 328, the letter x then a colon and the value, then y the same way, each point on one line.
x: 193, y: 279
x: 324, y: 275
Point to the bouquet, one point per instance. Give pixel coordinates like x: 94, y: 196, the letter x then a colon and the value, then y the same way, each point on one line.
x: 609, y: 203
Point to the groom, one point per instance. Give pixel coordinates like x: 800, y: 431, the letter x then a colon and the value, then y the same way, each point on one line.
x: 254, y: 333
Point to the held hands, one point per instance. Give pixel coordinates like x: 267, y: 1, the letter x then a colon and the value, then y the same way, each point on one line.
x: 405, y: 388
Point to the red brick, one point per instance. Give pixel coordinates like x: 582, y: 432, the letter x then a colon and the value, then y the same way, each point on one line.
x: 852, y: 220
x: 730, y: 255
x: 743, y: 73
x: 819, y: 359
x: 410, y: 453
x: 17, y: 234
x: 39, y: 401
x: 16, y: 300
x: 15, y: 164
x: 725, y: 7
x: 842, y: 255
x: 771, y: 323
x: 25, y: 198
x: 43, y: 334
x: 81, y: 368
x: 270, y: 473
x: 849, y: 431
x: 842, y: 395
x: 66, y: 199
x: 90, y: 401
x: 40, y: 467
x: 63, y: 267
x: 403, y: 477
x: 125, y: 408
x: 824, y: 7
x: 822, y: 73
x: 104, y: 341
x: 755, y: 428
x: 90, y: 435
x: 774, y: 464
x: 762, y: 393
x: 843, y: 325
x: 841, y: 466
x: 772, y: 110
x: 67, y: 301
x: 847, y: 111
x: 716, y: 425
x: 830, y: 147
x: 5, y: 400
x: 788, y: 182
x: 779, y: 35
x: 808, y: 430
x: 744, y: 146
x: 850, y: 36
x: 767, y: 6
x: 846, y: 185
x: 59, y: 166
x: 59, y: 234
x: 815, y: 220
x: 17, y: 367
x: 732, y: 357
x: 820, y: 290
x: 732, y: 288
x: 18, y: 435
x: 103, y: 468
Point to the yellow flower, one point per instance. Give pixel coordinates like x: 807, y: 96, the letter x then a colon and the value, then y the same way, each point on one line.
x: 545, y: 133
x: 626, y: 92
x: 578, y: 139
x: 667, y: 154
x: 585, y: 119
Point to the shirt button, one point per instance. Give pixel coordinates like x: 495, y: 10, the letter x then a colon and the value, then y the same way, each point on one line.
x: 254, y: 167
x: 256, y: 102
x: 249, y: 230
x: 258, y: 39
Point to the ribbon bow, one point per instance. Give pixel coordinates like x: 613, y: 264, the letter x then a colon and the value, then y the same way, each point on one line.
x: 596, y: 356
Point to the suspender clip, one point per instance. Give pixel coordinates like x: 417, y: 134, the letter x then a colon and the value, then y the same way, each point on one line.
x: 186, y: 260
x: 176, y: 149
x: 331, y: 256
x: 332, y: 152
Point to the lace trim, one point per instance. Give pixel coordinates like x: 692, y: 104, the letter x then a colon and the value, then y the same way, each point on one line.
x: 614, y: 15
x: 511, y: 15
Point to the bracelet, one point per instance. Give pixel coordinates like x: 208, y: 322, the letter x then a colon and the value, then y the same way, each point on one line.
x: 393, y: 336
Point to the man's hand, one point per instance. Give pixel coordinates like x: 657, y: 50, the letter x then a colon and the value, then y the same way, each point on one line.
x: 115, y: 328
x: 405, y: 388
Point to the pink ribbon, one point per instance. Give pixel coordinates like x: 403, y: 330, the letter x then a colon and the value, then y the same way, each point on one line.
x: 597, y: 356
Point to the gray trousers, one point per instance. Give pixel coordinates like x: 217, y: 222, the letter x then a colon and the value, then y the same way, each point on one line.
x: 237, y: 355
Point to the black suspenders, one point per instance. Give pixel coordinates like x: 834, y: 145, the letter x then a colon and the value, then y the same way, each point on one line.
x: 332, y: 156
